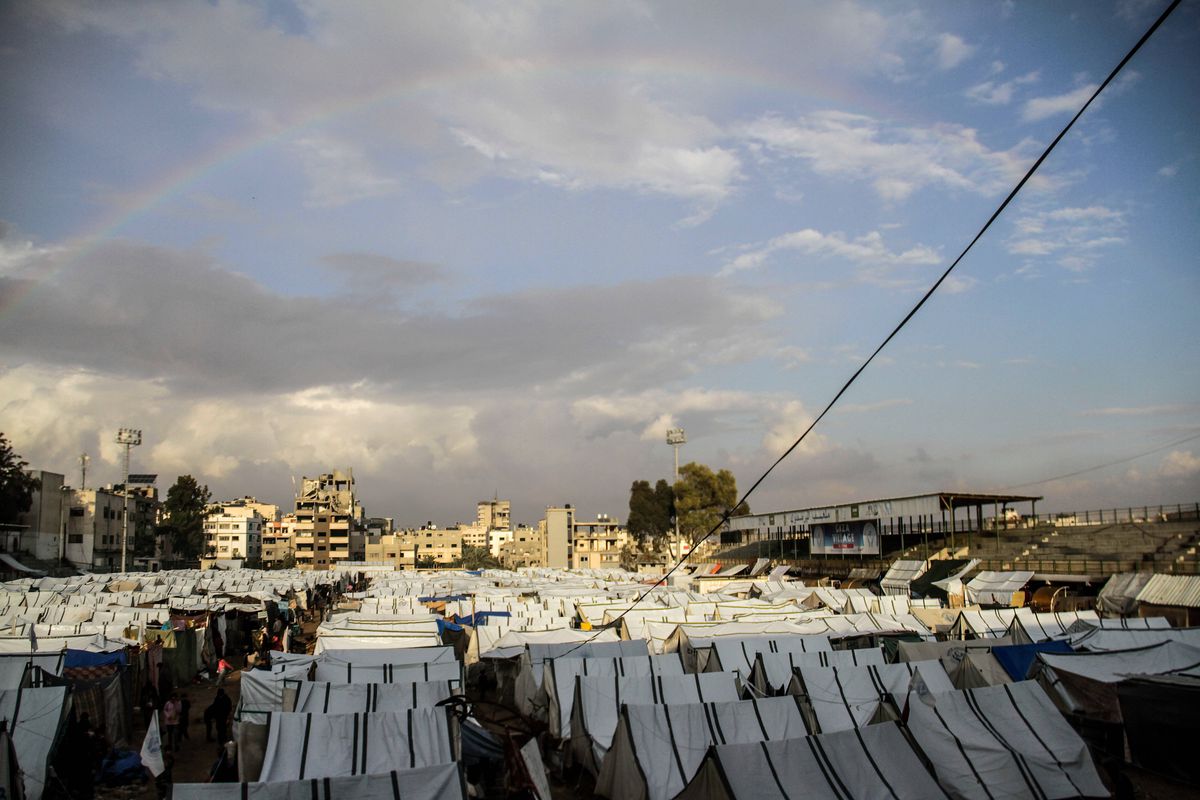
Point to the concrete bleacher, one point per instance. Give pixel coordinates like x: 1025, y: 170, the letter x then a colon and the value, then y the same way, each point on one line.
x: 1092, y: 550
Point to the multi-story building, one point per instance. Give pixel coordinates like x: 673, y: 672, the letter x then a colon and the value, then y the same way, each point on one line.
x: 555, y: 530
x: 278, y: 543
x: 524, y: 550
x: 40, y: 530
x: 326, y: 515
x: 94, y: 525
x: 245, y: 506
x: 234, y: 536
x: 475, y: 535
x: 494, y: 514
x: 497, y: 539
x: 597, y: 544
x: 412, y: 548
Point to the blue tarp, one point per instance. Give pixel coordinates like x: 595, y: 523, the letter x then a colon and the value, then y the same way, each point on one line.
x: 479, y: 617
x: 82, y: 658
x: 446, y: 625
x: 1018, y: 658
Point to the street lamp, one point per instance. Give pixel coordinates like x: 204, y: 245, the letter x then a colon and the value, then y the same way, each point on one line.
x: 676, y: 437
x: 131, y: 438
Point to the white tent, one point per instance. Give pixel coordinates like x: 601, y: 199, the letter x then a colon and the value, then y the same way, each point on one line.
x: 529, y: 696
x: 658, y: 749
x: 329, y: 745
x: 1003, y: 741
x: 983, y: 624
x: 33, y: 717
x: 598, y: 702
x: 558, y: 682
x: 13, y: 666
x: 841, y: 698
x: 900, y: 576
x: 1100, y: 639
x: 1086, y: 682
x: 1028, y: 627
x: 333, y: 672
x: 348, y: 698
x: 996, y: 588
x: 874, y: 762
x: 439, y: 782
x: 773, y: 670
x: 740, y: 654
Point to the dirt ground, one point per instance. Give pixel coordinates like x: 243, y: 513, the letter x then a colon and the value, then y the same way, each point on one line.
x: 195, y: 758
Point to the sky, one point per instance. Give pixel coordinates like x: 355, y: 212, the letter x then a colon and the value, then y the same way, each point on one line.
x: 499, y: 248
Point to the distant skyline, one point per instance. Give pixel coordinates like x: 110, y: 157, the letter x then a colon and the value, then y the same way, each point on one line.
x: 469, y: 249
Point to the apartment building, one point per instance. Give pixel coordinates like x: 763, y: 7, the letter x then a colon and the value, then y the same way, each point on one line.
x: 555, y: 530
x: 410, y: 548
x: 494, y: 513
x: 278, y: 542
x: 326, y: 515
x: 94, y: 525
x: 597, y: 544
x: 234, y: 536
x: 42, y: 526
x: 525, y: 549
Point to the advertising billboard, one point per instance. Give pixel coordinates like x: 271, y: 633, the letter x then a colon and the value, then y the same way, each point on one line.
x: 854, y: 537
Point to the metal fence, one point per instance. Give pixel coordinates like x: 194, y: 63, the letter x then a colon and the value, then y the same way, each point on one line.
x: 1180, y: 512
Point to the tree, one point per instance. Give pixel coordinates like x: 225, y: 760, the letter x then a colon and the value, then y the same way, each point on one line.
x: 651, y: 511
x: 479, y: 558
x: 702, y: 498
x: 16, y: 485
x: 183, y: 517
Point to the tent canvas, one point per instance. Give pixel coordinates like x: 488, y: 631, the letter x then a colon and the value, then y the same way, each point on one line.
x: 843, y: 698
x: 348, y: 698
x: 1086, y: 683
x: 1003, y: 741
x: 559, y: 680
x: 34, y: 717
x: 438, y: 782
x: 773, y: 671
x: 303, y: 746
x: 598, y: 701
x: 871, y: 762
x: 658, y: 749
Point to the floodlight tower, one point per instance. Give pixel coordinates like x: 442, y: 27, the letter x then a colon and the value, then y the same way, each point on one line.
x: 130, y: 438
x: 676, y: 437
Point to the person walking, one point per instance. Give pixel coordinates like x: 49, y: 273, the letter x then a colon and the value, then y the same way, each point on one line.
x: 185, y: 713
x: 217, y: 714
x: 171, y: 712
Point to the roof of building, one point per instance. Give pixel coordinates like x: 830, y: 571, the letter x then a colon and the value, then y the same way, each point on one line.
x: 1172, y: 590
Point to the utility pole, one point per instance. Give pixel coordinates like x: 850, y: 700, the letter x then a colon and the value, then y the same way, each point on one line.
x: 130, y: 438
x: 676, y: 438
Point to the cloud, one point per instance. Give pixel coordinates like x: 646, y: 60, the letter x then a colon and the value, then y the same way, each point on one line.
x: 1039, y: 108
x: 867, y: 408
x: 866, y: 249
x: 1179, y: 464
x: 338, y: 173
x: 374, y: 278
x: 896, y: 160
x: 992, y: 93
x: 200, y: 326
x: 1141, y: 411
x: 1073, y: 236
x: 575, y: 97
x: 952, y: 51
x: 1168, y: 170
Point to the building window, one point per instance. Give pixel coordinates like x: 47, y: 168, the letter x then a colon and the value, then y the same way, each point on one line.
x: 75, y: 538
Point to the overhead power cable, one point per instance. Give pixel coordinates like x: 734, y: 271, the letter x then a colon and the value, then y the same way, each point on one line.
x: 1106, y: 465
x: 912, y: 312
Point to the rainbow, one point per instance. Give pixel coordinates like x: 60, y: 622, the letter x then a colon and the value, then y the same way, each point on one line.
x: 177, y: 180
